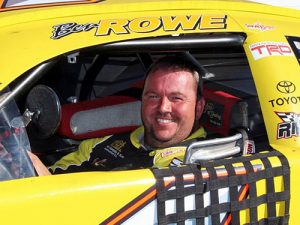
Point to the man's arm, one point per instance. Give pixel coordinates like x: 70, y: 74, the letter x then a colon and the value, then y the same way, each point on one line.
x: 71, y: 162
x: 40, y: 168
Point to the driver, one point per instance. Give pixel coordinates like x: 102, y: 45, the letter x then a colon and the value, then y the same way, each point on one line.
x: 171, y: 108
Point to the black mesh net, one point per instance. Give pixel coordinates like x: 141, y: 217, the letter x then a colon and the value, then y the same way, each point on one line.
x: 215, y: 192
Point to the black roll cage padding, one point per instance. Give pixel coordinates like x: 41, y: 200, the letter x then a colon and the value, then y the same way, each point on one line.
x: 141, y: 47
x: 25, y: 81
x: 97, y: 65
x: 145, y: 59
x: 91, y: 75
x: 156, y: 44
x: 174, y: 43
x: 200, y: 69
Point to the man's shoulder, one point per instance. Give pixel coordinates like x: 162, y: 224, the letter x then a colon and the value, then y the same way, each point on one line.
x: 199, y: 133
x: 127, y: 135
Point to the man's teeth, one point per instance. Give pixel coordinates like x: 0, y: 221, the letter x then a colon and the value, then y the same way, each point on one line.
x: 164, y: 121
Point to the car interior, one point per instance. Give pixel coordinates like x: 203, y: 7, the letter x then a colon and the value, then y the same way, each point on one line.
x: 95, y: 91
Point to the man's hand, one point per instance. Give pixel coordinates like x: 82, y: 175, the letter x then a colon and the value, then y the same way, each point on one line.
x: 40, y: 168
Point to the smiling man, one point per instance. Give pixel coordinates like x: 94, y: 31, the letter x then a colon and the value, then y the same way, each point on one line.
x: 171, y: 105
x: 171, y: 109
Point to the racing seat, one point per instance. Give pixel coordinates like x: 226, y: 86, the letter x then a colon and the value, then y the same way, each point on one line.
x: 88, y: 119
x: 100, y: 117
x: 225, y: 118
x: 223, y: 112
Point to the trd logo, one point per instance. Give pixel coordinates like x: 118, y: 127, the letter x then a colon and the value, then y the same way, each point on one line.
x: 265, y: 49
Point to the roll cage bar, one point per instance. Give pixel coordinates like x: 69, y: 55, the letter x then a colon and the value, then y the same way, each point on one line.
x: 156, y: 44
x: 181, y: 42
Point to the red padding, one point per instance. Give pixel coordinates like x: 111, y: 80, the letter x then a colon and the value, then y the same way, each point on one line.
x: 69, y: 110
x: 217, y: 114
x: 138, y: 84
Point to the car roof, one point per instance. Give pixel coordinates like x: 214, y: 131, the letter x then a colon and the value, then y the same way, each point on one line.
x: 240, y: 5
x: 27, y: 40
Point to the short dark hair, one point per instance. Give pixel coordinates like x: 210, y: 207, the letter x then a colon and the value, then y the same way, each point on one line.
x: 174, y: 63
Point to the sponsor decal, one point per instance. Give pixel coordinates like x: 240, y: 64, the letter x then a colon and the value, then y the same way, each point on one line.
x: 249, y: 147
x: 290, y: 125
x: 209, y: 109
x: 164, y: 157
x: 142, y: 25
x: 285, y: 87
x: 266, y: 49
x: 99, y: 162
x: 259, y: 26
x: 115, y: 148
x: 171, y: 152
x: 118, y: 145
x: 213, y: 113
x: 285, y: 101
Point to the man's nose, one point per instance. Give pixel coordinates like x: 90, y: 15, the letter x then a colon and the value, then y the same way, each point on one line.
x: 165, y: 105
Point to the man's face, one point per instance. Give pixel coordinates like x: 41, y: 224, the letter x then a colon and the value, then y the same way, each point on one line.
x: 169, y: 107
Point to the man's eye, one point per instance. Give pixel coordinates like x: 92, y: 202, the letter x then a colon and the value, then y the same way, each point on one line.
x: 176, y: 99
x: 153, y: 96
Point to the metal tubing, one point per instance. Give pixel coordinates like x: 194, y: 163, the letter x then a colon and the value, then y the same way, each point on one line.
x: 177, y: 42
x: 35, y: 74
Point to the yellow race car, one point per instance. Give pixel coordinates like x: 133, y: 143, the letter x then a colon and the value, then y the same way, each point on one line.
x: 73, y: 70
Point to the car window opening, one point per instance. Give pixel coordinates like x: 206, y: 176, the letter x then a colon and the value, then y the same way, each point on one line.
x: 104, y: 79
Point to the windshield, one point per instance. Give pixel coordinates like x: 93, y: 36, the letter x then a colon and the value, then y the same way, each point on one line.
x: 14, y: 161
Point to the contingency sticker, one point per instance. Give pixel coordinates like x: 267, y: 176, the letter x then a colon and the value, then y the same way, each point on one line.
x: 290, y: 125
x: 266, y: 49
x: 259, y: 26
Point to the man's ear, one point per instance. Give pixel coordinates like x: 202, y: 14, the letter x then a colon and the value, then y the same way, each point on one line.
x: 199, y: 108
